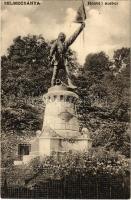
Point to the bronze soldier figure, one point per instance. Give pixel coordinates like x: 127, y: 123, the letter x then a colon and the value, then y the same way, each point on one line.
x: 58, y: 54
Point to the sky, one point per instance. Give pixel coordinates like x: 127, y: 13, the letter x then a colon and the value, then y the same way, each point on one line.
x: 107, y: 27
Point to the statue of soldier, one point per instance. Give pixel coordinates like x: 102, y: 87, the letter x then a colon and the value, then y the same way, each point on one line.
x: 58, y: 54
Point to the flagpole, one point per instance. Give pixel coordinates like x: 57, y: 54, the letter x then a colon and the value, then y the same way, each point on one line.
x: 85, y: 15
x: 84, y: 7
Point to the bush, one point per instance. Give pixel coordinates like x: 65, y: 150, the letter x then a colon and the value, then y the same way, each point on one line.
x: 74, y: 175
x: 94, y: 163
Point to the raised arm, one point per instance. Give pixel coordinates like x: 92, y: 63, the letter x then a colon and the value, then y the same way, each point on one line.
x: 75, y: 35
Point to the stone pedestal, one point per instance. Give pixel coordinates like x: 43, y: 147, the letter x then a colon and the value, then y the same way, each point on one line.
x: 60, y: 112
x: 60, y: 132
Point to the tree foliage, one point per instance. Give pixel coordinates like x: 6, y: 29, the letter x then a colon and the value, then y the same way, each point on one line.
x: 104, y: 105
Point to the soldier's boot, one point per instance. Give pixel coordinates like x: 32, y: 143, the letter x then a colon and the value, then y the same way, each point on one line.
x: 70, y: 84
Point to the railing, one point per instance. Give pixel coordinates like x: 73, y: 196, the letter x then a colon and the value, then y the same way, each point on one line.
x: 102, y: 187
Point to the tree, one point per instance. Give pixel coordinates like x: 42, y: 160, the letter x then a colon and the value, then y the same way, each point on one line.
x: 104, y: 104
x: 121, y: 62
x: 96, y: 65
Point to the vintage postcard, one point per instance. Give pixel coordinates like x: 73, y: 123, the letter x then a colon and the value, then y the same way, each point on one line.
x: 65, y: 109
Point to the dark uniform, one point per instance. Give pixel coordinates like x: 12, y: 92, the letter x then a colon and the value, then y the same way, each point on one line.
x: 59, y: 49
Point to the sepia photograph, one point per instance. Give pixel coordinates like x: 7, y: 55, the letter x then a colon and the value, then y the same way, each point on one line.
x: 65, y: 99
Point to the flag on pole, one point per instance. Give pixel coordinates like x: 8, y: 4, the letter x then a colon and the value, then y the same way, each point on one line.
x: 81, y: 14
